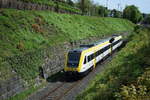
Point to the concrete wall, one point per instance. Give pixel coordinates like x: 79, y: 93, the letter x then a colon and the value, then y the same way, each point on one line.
x: 30, y: 6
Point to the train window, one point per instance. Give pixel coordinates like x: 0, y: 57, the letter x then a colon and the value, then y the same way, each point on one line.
x: 92, y: 56
x: 116, y: 42
x: 108, y: 47
x: 85, y: 60
x: 105, y: 48
x: 100, y: 51
x: 97, y: 53
x: 89, y: 58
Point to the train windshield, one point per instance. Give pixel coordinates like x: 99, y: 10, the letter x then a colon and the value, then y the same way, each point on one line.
x: 73, y: 59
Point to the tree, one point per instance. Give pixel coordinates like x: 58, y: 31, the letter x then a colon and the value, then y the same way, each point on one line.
x: 132, y: 13
x: 147, y: 19
x: 85, y: 6
x: 70, y: 2
x: 94, y: 10
x: 116, y: 14
x: 103, y: 11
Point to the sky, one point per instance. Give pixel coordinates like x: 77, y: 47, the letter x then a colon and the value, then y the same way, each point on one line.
x: 143, y: 5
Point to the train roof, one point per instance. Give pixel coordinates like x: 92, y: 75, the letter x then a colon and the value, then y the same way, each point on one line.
x: 87, y: 46
x: 78, y: 50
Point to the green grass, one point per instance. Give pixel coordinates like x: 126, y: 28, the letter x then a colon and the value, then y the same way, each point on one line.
x: 123, y: 70
x: 26, y: 37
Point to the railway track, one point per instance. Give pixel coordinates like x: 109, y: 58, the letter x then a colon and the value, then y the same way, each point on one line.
x: 60, y: 91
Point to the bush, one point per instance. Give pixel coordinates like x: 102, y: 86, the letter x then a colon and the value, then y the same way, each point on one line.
x: 139, y: 90
x: 132, y: 13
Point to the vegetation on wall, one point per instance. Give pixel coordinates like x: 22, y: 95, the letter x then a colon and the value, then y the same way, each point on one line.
x: 56, y: 4
x: 126, y: 77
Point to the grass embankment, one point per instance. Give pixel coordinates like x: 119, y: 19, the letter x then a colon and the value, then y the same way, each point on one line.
x: 55, y: 4
x: 25, y: 36
x: 127, y: 77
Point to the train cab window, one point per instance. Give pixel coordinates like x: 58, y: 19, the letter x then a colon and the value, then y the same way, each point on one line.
x: 73, y: 59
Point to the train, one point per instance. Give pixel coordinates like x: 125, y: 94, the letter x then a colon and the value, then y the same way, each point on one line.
x: 81, y: 60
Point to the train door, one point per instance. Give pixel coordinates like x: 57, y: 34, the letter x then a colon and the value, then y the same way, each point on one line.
x: 91, y: 60
x: 85, y: 64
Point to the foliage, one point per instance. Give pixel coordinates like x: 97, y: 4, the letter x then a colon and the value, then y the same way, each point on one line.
x: 132, y: 13
x: 70, y: 2
x: 147, y: 19
x: 94, y: 10
x: 103, y: 11
x: 62, y: 5
x: 116, y: 14
x: 119, y: 79
x: 88, y: 7
x: 139, y: 90
x: 85, y: 5
x: 27, y: 36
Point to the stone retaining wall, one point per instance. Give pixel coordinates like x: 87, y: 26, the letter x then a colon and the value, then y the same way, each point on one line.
x: 11, y: 87
x: 30, y: 6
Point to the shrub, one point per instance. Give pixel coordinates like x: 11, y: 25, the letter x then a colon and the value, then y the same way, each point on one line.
x: 140, y: 90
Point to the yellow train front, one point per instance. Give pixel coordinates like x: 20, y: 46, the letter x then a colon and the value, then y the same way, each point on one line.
x: 81, y: 60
